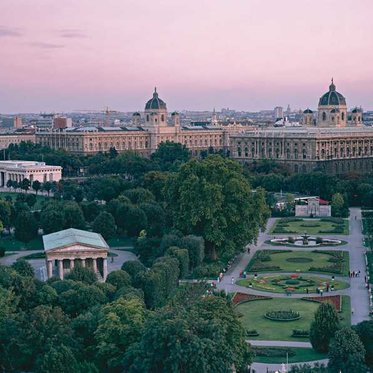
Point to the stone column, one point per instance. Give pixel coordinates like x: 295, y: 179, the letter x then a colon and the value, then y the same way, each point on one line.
x: 50, y: 268
x: 94, y: 262
x: 83, y: 262
x: 60, y: 268
x: 72, y: 264
x: 104, y: 268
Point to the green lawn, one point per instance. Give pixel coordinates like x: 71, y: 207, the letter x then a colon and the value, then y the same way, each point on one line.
x: 296, y: 355
x: 298, y: 286
x: 311, y: 226
x: 252, y: 317
x: 298, y: 261
x: 39, y: 199
x: 11, y: 244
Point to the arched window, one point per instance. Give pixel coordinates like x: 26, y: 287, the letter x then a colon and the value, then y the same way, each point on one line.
x: 162, y: 118
x: 147, y: 118
x: 343, y: 116
x: 324, y: 116
x: 332, y: 119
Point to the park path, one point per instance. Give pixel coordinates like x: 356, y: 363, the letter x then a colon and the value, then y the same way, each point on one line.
x: 280, y: 343
x: 270, y: 368
x: 358, y: 291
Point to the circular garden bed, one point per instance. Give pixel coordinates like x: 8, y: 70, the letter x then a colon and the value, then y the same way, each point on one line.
x: 282, y: 315
x: 296, y: 284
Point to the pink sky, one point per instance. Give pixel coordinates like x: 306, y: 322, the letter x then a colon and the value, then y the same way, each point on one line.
x: 242, y: 54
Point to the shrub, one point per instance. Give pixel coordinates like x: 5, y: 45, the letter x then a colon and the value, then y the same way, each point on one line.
x: 281, y: 315
x: 252, y: 333
x: 299, y: 333
x: 319, y: 240
x: 2, y: 252
x: 273, y: 351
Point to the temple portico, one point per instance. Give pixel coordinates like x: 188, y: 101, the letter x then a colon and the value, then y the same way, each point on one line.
x: 73, y: 247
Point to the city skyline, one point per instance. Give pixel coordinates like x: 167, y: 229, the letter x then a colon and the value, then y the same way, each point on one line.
x: 247, y: 55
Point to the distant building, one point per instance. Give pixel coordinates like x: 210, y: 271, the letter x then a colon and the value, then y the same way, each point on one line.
x: 70, y: 247
x: 19, y: 170
x: 17, y: 123
x: 15, y: 137
x: 335, y: 143
x: 142, y: 137
x: 313, y: 207
x: 62, y: 122
x: 279, y: 112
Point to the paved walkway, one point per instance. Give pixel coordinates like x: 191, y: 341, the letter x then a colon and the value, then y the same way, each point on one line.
x: 269, y: 368
x: 280, y: 343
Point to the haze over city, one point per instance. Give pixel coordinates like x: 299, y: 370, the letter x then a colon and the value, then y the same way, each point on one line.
x: 242, y: 54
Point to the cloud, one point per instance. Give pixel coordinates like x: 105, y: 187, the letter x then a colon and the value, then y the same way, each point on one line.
x: 72, y: 34
x: 46, y: 45
x: 9, y: 32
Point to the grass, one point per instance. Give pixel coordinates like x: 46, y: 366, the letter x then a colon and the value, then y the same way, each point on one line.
x: 282, y: 260
x: 301, y: 355
x: 252, y: 317
x: 311, y: 226
x: 39, y: 199
x: 370, y: 266
x: 264, y: 283
x: 11, y: 244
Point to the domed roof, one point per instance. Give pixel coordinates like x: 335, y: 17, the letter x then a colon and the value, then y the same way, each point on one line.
x: 357, y: 110
x: 332, y: 98
x: 335, y: 111
x: 308, y: 111
x: 155, y: 102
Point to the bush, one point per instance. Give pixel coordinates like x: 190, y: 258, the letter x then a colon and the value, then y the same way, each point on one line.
x: 299, y: 333
x: 273, y: 351
x: 252, y: 333
x: 2, y: 252
x: 282, y: 315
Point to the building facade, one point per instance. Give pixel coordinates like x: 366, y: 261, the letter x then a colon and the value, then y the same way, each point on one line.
x: 15, y: 138
x: 143, y: 137
x: 70, y: 247
x: 336, y: 142
x: 19, y: 170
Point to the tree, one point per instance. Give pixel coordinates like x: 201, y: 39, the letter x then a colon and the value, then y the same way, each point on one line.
x: 196, y: 249
x: 119, y: 279
x: 36, y: 185
x: 156, y: 218
x: 52, y: 220
x: 212, y: 198
x: 25, y: 226
x: 136, y: 221
x: 24, y: 268
x: 182, y: 256
x: 324, y: 326
x: 120, y: 326
x: 365, y: 333
x: 5, y: 212
x: 168, y: 153
x: 82, y: 274
x: 104, y: 224
x: 25, y: 184
x: 47, y: 186
x: 74, y: 217
x: 338, y: 206
x: 139, y: 195
x: 346, y: 353
x: 205, y: 336
x: 59, y: 359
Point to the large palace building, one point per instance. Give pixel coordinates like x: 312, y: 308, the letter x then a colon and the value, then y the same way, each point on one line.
x: 143, y: 136
x: 332, y: 140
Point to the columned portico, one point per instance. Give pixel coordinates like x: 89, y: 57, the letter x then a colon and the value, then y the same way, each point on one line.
x: 73, y: 247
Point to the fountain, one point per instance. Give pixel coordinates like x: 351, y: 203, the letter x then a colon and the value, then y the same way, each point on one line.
x: 305, y: 240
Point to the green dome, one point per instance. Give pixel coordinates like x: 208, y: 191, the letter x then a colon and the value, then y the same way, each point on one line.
x: 155, y: 103
x: 332, y: 98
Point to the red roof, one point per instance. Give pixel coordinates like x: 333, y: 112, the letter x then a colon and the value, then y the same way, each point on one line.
x: 323, y: 201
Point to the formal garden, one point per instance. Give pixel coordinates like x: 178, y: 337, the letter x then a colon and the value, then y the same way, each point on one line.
x: 293, y: 284
x: 329, y: 262
x: 311, y: 226
x: 285, y: 319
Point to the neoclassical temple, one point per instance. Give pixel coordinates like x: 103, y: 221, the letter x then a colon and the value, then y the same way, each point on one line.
x: 70, y: 247
x: 333, y: 140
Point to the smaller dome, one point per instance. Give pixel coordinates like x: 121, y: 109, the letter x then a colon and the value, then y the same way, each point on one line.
x: 334, y: 111
x: 174, y: 113
x: 155, y: 103
x: 308, y: 111
x: 136, y: 114
x: 356, y: 110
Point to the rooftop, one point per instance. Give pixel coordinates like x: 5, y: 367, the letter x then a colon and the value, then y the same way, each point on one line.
x: 73, y: 236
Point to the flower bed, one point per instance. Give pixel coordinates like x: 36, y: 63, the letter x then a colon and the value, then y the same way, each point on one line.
x: 242, y: 297
x: 336, y: 300
x: 281, y: 315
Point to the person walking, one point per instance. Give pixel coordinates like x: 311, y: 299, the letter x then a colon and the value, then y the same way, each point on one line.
x: 232, y: 280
